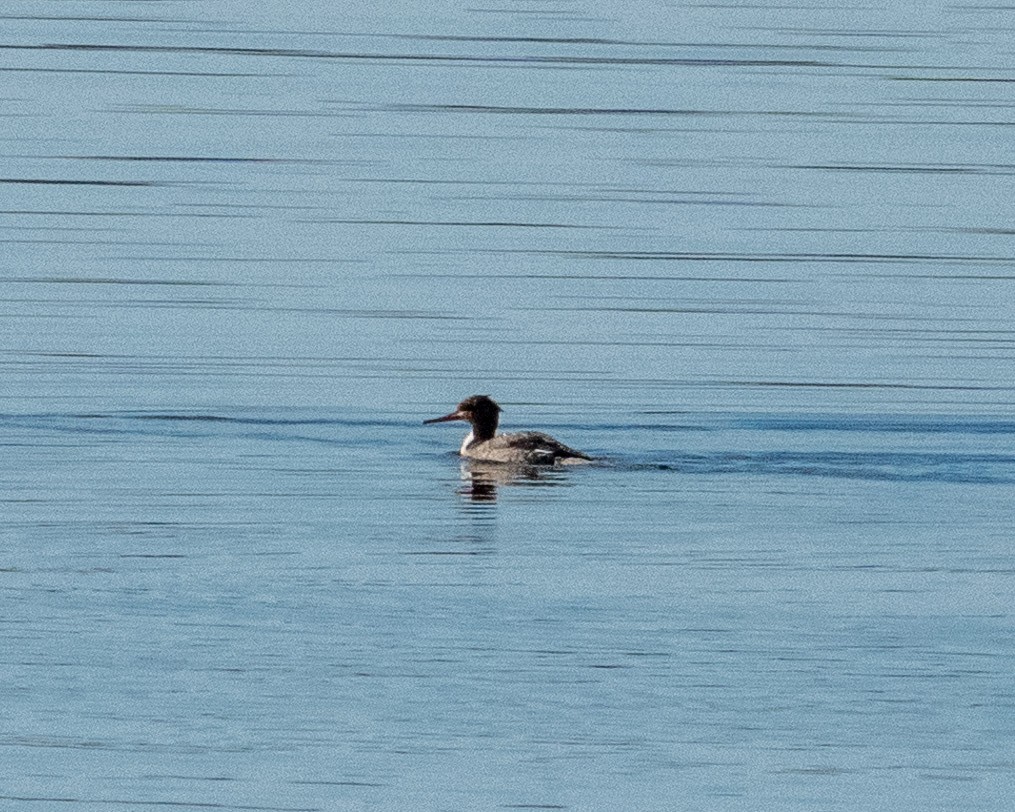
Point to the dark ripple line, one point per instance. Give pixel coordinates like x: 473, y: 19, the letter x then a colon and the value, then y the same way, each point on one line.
x: 634, y: 43
x: 467, y: 224
x: 76, y: 18
x: 71, y: 182
x: 111, y: 71
x: 613, y: 277
x: 973, y: 469
x: 686, y: 256
x: 547, y: 111
x: 132, y: 802
x: 56, y: 421
x: 67, y: 213
x: 879, y: 424
x: 300, y: 53
x: 112, y: 280
x: 949, y: 79
x: 812, y: 115
x: 865, y: 385
x: 943, y: 169
x: 251, y: 421
x: 189, y: 159
x: 262, y: 259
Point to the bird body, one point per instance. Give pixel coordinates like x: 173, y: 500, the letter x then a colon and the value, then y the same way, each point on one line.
x: 518, y: 448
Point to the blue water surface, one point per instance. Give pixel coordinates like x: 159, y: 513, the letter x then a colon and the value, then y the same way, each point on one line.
x: 754, y: 257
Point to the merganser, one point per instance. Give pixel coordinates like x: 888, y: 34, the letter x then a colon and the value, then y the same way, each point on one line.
x: 520, y: 448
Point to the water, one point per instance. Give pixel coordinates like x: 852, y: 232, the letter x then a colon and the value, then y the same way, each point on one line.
x: 757, y: 258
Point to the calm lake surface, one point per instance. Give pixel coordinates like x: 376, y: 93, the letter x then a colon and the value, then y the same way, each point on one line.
x: 759, y: 258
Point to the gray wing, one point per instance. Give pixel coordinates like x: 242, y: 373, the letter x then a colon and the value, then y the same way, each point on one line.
x: 542, y: 449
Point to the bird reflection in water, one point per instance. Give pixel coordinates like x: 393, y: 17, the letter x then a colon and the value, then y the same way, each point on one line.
x: 480, y: 480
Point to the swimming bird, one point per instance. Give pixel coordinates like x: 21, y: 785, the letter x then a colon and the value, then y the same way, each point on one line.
x: 519, y: 448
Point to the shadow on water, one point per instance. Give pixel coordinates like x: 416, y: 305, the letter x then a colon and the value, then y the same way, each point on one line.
x: 481, y: 480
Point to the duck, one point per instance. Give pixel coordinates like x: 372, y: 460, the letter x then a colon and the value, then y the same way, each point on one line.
x: 483, y: 443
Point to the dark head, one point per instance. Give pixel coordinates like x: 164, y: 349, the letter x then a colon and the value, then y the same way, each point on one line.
x: 480, y: 411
